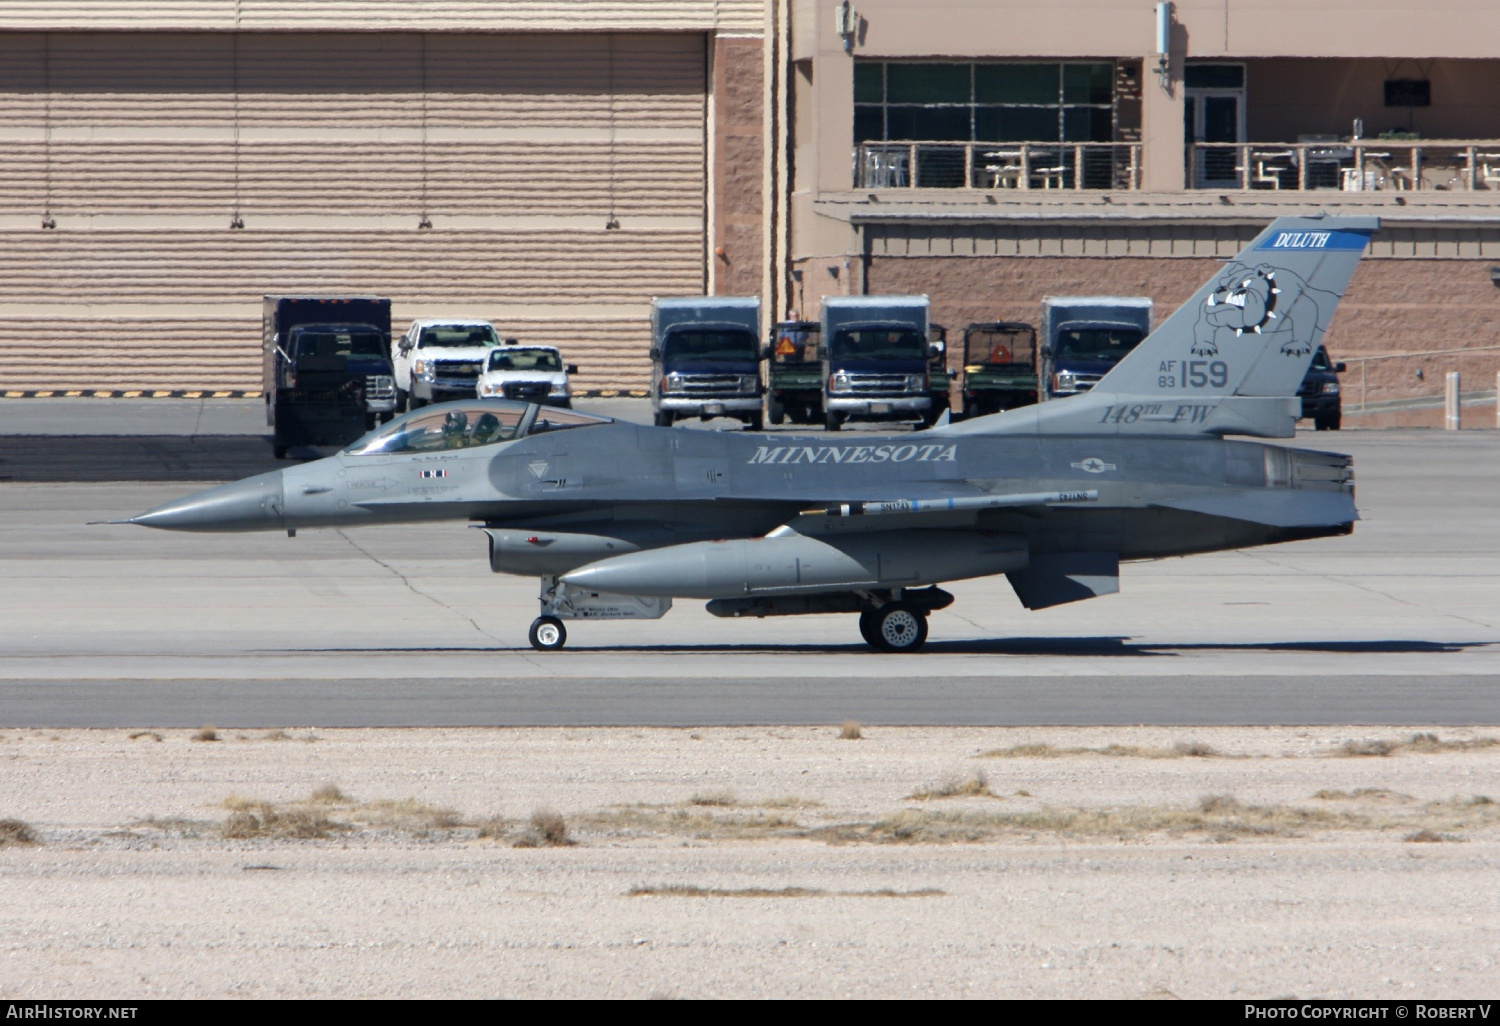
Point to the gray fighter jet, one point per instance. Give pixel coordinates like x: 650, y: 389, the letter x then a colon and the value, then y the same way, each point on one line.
x: 618, y: 519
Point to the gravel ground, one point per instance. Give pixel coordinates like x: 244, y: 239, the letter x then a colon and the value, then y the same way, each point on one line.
x: 750, y: 862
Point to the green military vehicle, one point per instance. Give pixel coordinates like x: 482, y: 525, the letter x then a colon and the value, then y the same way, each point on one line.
x: 795, y: 387
x: 999, y: 367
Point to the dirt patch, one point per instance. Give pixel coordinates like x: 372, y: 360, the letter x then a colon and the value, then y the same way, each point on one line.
x: 1180, y: 750
x: 693, y: 891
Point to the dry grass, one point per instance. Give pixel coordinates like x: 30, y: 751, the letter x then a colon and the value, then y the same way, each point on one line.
x: 153, y: 735
x: 311, y: 819
x: 206, y: 734
x: 1221, y: 817
x: 1181, y: 750
x: 251, y: 820
x: 406, y: 815
x: 1425, y: 744
x: 851, y: 731
x: 546, y: 830
x: 1364, y: 794
x: 973, y: 786
x: 787, y: 801
x: 693, y: 891
x: 492, y: 827
x: 329, y: 794
x: 18, y: 834
x: 695, y: 822
x: 720, y: 799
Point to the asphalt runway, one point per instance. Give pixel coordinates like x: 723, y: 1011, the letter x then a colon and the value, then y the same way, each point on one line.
x: 113, y: 626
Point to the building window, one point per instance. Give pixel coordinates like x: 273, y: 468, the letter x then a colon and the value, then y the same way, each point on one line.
x: 1408, y: 92
x: 898, y: 101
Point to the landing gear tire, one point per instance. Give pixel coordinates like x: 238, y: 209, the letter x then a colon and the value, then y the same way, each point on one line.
x: 867, y: 628
x: 547, y: 634
x: 899, y: 627
x: 663, y: 418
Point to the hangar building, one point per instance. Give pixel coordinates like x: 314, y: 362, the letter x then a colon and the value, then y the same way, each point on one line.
x: 546, y: 165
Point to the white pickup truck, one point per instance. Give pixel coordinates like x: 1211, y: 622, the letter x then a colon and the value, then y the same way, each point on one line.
x: 439, y: 359
x: 531, y: 372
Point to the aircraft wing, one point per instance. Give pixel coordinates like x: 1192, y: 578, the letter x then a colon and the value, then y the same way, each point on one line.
x: 947, y: 511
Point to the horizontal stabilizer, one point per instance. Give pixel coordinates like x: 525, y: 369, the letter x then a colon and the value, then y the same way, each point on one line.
x: 1054, y: 578
x: 1274, y: 508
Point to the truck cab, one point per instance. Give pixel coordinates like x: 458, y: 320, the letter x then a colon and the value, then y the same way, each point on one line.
x: 326, y: 373
x: 531, y: 372
x: 1083, y: 337
x: 1320, y: 392
x: 438, y: 360
x: 1000, y: 369
x: 876, y: 356
x: 705, y: 359
x: 794, y: 386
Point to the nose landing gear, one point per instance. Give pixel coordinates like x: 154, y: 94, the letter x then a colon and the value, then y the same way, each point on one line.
x: 547, y: 634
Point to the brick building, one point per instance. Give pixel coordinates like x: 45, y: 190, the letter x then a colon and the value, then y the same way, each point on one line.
x: 991, y: 154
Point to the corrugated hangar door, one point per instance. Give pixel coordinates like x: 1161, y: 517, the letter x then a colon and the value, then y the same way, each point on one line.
x: 153, y: 186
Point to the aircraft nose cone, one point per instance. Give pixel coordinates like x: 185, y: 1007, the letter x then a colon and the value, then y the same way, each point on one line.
x: 254, y: 504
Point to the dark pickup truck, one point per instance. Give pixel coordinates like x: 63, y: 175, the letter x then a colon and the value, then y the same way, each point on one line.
x: 327, y: 368
x: 1320, y: 392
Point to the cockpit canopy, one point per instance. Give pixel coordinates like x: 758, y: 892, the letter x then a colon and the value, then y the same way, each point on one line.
x: 464, y: 425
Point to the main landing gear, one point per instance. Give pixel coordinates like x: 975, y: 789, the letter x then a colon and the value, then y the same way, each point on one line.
x: 894, y: 627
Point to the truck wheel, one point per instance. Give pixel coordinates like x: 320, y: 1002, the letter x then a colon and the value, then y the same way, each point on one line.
x: 547, y: 634
x: 1331, y: 422
x: 900, y: 627
x: 279, y: 451
x: 416, y: 402
x: 754, y: 422
x: 663, y: 418
x: 371, y: 420
x: 833, y: 422
x: 775, y: 411
x: 403, y: 397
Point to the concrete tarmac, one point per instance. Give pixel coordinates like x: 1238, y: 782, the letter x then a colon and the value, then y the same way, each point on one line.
x: 121, y: 626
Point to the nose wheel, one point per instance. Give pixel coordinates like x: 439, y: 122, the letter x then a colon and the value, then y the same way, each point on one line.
x: 894, y: 627
x: 547, y: 634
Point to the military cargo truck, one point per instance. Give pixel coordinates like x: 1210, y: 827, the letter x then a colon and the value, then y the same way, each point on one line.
x: 705, y: 359
x: 875, y: 359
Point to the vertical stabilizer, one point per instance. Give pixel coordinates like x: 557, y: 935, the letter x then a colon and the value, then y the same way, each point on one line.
x: 1230, y: 359
x: 1252, y: 328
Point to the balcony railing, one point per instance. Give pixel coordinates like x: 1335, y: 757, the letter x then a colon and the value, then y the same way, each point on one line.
x: 1028, y: 165
x: 1364, y: 165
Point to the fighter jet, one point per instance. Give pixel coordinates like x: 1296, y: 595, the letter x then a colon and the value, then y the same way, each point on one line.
x: 617, y: 520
